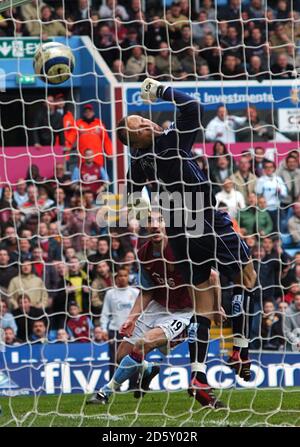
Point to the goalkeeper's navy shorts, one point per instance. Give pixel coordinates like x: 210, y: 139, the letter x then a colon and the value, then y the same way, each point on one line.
x: 224, y: 250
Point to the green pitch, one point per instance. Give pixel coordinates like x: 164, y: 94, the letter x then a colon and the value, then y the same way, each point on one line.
x: 244, y: 408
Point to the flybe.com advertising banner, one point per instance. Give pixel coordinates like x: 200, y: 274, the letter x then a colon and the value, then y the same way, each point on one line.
x: 83, y: 367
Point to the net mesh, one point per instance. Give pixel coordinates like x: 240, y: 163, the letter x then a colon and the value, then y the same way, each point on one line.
x: 63, y: 237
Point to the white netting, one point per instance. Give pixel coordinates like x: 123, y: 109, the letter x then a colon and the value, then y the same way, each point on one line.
x: 63, y: 240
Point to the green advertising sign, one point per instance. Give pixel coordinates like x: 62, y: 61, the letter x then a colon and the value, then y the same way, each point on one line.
x: 14, y: 48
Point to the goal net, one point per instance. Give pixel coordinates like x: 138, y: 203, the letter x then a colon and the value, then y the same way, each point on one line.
x: 82, y: 242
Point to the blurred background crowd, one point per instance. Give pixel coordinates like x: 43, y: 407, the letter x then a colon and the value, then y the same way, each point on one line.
x: 180, y: 40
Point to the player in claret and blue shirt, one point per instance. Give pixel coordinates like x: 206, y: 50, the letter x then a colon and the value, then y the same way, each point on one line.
x: 164, y: 157
x: 161, y: 313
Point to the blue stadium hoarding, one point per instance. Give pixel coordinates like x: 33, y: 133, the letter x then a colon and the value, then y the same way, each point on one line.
x: 236, y: 95
x: 59, y: 368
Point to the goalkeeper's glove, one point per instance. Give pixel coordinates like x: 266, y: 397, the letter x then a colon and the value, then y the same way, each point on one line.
x: 151, y: 90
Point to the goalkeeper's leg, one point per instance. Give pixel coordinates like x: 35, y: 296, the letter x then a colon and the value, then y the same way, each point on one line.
x: 242, y: 310
x: 207, y: 304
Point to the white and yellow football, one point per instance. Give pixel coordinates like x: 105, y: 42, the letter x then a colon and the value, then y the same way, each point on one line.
x: 54, y: 62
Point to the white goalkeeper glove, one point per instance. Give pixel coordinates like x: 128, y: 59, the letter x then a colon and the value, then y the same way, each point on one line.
x: 151, y: 90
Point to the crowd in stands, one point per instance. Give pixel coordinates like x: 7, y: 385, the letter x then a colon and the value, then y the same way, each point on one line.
x: 233, y: 39
x: 61, y: 272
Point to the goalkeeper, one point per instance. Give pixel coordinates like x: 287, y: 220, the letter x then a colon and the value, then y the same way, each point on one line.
x: 165, y: 156
x: 160, y: 315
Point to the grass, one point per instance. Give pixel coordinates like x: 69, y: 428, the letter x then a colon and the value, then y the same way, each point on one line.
x: 278, y: 407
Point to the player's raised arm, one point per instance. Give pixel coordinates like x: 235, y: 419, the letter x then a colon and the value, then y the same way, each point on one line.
x: 190, y: 109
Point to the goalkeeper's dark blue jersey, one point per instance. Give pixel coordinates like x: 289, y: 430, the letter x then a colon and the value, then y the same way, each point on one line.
x: 170, y: 164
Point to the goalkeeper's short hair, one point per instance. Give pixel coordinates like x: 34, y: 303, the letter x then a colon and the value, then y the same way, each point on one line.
x: 122, y: 131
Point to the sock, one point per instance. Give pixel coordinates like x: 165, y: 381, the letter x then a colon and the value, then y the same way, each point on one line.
x: 198, y: 332
x: 126, y: 369
x: 241, y: 320
x: 147, y: 368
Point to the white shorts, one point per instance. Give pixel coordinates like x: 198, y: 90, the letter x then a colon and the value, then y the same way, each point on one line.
x: 172, y: 322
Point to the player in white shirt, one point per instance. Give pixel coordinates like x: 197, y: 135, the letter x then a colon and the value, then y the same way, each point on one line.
x: 233, y: 199
x: 223, y: 126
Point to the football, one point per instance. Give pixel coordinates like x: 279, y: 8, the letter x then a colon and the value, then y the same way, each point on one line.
x: 54, y: 62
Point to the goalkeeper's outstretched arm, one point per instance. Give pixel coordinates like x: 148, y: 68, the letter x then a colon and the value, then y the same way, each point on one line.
x: 189, y: 108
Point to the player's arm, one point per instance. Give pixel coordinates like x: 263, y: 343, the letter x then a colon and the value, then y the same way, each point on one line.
x: 139, y: 306
x: 189, y: 108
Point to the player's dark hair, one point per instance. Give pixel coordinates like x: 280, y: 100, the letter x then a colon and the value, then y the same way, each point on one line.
x: 268, y: 162
x: 122, y: 132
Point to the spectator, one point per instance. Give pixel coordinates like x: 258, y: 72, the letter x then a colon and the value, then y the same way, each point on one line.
x: 290, y: 296
x: 20, y: 194
x: 266, y: 268
x: 223, y: 126
x: 290, y: 174
x: 258, y: 162
x: 176, y: 20
x: 62, y: 336
x: 10, y: 338
x: 203, y: 73
x: 132, y: 268
x: 256, y: 45
x: 211, y: 52
x: 112, y: 9
x: 47, y: 125
x: 131, y: 41
x: 118, y: 302
x: 270, y: 341
x: 168, y: 65
x: 51, y: 248
x: 282, y: 69
x: 79, y: 285
x: 294, y: 224
x: 118, y: 69
x: 97, y: 335
x: 256, y: 71
x: 102, y: 282
x: 273, y: 189
x: 7, y: 271
x: 255, y: 219
x: 6, y: 318
x: 233, y: 199
x: 184, y: 43
x: 233, y: 43
x: 32, y: 284
x: 231, y: 68
x: 40, y: 333
x: 208, y: 7
x: 155, y: 35
x: 102, y: 254
x: 10, y: 243
x: 220, y: 172
x: 280, y: 39
x: 243, y: 179
x: 231, y: 12
x: 202, y: 26
x: 256, y: 9
x: 79, y: 327
x: 292, y: 325
x: 30, y: 12
x: 192, y: 62
x: 92, y: 135
x: 7, y: 204
x: 90, y: 176
x: 152, y: 71
x: 136, y: 65
x: 106, y: 44
x: 25, y: 314
x: 47, y: 26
